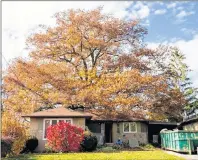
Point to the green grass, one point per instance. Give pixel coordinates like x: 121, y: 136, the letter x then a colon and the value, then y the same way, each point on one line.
x: 123, y: 155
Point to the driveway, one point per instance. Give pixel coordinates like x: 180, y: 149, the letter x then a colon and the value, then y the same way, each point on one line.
x: 185, y: 156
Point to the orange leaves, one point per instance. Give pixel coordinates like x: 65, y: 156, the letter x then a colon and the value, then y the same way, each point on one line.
x: 125, y: 101
x: 92, y: 59
x: 156, y: 116
x: 13, y: 128
x: 51, y: 82
x: 82, y: 37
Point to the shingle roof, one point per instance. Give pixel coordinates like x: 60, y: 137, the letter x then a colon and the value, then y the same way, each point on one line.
x: 119, y: 117
x: 62, y: 112
x: 59, y: 112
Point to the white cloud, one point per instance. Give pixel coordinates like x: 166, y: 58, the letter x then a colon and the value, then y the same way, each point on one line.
x: 143, y: 12
x: 160, y: 11
x: 183, y: 14
x: 190, y: 49
x: 188, y: 31
x: 160, y: 3
x: 140, y: 10
x: 138, y: 5
x: 172, y: 5
x: 180, y: 8
x: 19, y: 18
x: 153, y: 45
x: 117, y: 9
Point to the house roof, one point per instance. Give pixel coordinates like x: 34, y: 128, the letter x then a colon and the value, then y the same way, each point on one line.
x: 59, y: 112
x: 116, y: 118
x: 189, y: 121
x: 132, y: 119
x: 62, y: 112
x: 163, y: 123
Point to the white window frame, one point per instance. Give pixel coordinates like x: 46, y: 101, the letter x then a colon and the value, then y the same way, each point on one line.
x: 130, y: 127
x: 51, y: 123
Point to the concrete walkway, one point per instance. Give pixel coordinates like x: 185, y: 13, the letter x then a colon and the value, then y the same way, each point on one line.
x: 185, y: 156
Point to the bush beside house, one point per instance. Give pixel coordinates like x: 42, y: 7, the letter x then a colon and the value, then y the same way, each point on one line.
x: 6, y: 146
x: 64, y: 137
x: 89, y: 142
x: 16, y: 130
x: 30, y: 145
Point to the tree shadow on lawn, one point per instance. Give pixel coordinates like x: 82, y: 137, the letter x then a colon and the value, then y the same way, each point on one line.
x: 111, y: 150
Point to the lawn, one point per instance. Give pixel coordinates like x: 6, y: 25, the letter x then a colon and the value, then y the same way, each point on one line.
x: 123, y: 155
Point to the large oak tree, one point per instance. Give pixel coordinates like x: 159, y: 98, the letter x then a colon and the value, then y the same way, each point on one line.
x: 97, y: 61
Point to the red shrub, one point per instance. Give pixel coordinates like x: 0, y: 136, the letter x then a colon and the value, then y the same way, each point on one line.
x: 64, y: 137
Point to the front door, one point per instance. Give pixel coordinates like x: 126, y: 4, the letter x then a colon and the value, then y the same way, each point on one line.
x: 108, y: 132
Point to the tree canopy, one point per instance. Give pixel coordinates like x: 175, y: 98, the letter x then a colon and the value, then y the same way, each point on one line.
x: 97, y: 61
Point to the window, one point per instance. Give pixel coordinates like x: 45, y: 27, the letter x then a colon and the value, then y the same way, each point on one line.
x: 126, y: 127
x: 130, y: 127
x: 48, y: 122
x: 133, y: 127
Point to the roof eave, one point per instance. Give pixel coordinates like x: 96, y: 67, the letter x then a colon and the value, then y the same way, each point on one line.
x: 164, y: 123
x: 54, y: 116
x: 119, y: 120
x: 189, y: 121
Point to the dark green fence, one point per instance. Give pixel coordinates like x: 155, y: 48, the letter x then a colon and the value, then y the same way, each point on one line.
x: 179, y: 140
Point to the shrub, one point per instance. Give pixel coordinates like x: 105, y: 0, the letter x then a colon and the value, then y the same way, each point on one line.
x: 148, y: 147
x: 48, y: 149
x: 6, y: 146
x: 64, y: 137
x: 30, y: 145
x: 99, y: 146
x: 89, y: 142
x: 13, y: 127
x: 107, y: 149
x: 18, y: 145
x: 117, y: 147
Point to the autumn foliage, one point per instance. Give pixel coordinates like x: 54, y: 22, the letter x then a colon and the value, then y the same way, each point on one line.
x: 64, y: 137
x: 97, y: 61
x: 16, y: 129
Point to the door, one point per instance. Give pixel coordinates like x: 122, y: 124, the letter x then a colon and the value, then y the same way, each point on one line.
x: 108, y: 132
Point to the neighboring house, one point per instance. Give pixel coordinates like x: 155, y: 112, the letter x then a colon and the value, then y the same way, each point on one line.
x: 190, y: 121
x: 107, y: 130
x: 190, y: 124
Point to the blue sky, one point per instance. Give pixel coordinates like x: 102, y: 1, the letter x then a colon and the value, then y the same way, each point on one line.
x: 174, y: 23
x: 173, y: 20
